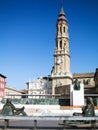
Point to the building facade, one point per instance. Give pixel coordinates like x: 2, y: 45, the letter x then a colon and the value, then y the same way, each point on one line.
x: 41, y: 86
x: 96, y: 79
x: 12, y: 92
x: 2, y: 85
x: 86, y: 78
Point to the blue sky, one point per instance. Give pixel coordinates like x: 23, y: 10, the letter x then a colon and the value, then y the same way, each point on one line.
x: 27, y: 37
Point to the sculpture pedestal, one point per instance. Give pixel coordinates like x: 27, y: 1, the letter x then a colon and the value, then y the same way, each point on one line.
x: 77, y: 96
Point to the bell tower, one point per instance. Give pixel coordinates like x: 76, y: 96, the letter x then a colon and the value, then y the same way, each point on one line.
x: 61, y: 70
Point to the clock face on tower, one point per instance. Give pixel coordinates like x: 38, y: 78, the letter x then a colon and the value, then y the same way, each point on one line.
x: 59, y: 61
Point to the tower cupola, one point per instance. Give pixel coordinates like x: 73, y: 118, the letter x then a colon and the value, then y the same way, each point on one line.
x: 62, y: 15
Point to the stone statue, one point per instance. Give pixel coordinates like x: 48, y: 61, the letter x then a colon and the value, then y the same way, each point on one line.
x: 88, y: 110
x: 76, y: 85
x: 10, y: 109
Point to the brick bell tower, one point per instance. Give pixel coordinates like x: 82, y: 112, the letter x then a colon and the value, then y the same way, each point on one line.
x: 60, y: 73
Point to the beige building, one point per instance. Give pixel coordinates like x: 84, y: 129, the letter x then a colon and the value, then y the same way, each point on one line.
x: 90, y: 88
x: 61, y: 74
x: 86, y: 78
x: 12, y: 92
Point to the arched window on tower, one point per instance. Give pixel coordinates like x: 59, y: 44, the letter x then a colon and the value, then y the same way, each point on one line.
x: 60, y: 29
x: 57, y: 29
x: 57, y: 44
x: 61, y: 44
x: 64, y: 29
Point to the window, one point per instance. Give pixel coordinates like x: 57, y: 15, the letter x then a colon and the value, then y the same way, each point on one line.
x: 60, y: 44
x: 2, y: 86
x: 64, y: 29
x: 1, y: 94
x: 60, y: 29
x: 56, y: 44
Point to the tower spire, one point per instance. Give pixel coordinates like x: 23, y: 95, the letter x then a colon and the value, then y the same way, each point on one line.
x: 62, y: 10
x: 61, y: 15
